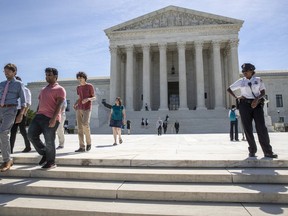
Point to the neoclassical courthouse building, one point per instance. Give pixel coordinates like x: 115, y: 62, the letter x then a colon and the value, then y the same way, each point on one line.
x: 174, y: 60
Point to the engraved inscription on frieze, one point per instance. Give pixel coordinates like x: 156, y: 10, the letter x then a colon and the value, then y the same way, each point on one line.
x: 171, y: 19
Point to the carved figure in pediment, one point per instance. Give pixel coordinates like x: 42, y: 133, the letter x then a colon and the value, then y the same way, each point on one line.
x: 170, y: 19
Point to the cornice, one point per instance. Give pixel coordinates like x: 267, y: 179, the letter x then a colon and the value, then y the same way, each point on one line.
x: 193, y: 31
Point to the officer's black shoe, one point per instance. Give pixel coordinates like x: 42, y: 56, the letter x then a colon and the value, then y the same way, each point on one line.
x: 252, y: 155
x: 271, y: 155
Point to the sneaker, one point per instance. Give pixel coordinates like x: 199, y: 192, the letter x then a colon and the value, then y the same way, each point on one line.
x: 49, y: 165
x: 26, y: 150
x: 60, y: 147
x: 114, y: 144
x: 88, y: 147
x: 6, y: 166
x: 43, y: 160
x: 80, y: 150
x: 120, y: 141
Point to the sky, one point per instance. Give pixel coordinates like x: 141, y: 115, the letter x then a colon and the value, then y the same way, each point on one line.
x: 69, y: 34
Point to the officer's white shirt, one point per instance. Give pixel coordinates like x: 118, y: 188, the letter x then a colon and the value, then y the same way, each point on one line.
x: 257, y: 86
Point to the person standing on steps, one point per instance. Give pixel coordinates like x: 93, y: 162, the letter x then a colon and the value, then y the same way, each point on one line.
x: 177, y: 126
x: 10, y: 91
x: 251, y: 108
x: 61, y: 129
x: 47, y: 119
x: 22, y: 124
x: 83, y: 107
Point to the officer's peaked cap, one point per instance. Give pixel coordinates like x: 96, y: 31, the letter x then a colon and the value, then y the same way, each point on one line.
x: 247, y: 67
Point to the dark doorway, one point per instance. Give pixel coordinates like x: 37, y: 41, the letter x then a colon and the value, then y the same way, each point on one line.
x: 173, y: 95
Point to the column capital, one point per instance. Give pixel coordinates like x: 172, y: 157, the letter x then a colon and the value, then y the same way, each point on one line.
x: 234, y: 43
x: 113, y: 48
x: 198, y: 44
x: 216, y: 43
x: 181, y: 45
x: 162, y: 45
x: 146, y: 47
x: 129, y: 47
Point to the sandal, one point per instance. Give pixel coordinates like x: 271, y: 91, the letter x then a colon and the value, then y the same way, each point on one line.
x: 120, y: 141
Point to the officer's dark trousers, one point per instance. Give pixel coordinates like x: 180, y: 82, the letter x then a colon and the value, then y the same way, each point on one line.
x: 247, y: 114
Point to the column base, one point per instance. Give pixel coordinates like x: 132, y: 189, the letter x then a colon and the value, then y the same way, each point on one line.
x: 163, y: 109
x: 183, y: 108
x: 219, y: 108
x: 201, y: 108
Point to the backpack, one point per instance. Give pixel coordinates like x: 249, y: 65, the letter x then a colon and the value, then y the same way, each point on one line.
x: 232, y: 115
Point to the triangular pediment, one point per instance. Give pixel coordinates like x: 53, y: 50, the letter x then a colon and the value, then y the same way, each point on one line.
x: 173, y: 16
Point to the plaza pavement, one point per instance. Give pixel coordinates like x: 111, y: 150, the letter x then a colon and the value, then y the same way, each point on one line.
x: 165, y: 148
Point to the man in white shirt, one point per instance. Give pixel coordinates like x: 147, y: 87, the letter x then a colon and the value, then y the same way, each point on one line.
x: 22, y: 124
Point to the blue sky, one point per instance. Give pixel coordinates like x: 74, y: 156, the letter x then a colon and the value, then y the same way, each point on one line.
x: 69, y: 34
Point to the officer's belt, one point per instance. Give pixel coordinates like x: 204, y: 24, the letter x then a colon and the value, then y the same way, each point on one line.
x: 245, y: 100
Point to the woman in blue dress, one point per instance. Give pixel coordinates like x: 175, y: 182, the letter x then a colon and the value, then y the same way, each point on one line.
x: 117, y: 119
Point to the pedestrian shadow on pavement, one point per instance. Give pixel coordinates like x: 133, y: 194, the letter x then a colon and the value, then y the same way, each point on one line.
x: 104, y: 146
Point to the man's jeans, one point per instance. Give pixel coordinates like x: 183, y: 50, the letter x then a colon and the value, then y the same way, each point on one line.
x: 38, y: 126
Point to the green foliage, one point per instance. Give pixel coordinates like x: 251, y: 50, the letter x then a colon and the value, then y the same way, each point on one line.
x: 30, y: 115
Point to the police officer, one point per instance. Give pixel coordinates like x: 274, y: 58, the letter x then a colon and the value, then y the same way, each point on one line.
x: 251, y: 107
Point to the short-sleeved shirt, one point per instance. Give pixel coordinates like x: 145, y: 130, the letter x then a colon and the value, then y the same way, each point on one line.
x: 85, y: 91
x: 257, y: 86
x: 48, y: 100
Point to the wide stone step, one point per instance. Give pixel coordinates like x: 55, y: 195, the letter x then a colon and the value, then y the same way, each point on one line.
x: 196, y: 175
x: 198, y: 192
x: 130, y: 161
x: 15, y: 205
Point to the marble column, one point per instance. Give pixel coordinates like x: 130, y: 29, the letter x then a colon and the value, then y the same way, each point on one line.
x: 234, y: 59
x: 113, y: 74
x: 163, y: 77
x: 182, y: 76
x: 199, y: 75
x: 146, y: 75
x: 218, y: 83
x: 129, y: 78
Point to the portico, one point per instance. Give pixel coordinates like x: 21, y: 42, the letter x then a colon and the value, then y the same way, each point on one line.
x: 174, y: 59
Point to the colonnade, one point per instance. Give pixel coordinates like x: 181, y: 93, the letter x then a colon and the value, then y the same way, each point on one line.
x: 198, y: 46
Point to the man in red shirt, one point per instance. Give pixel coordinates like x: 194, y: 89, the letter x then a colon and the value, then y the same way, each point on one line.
x: 47, y: 119
x: 83, y: 107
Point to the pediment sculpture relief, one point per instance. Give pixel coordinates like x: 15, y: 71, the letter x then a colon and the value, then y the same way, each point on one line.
x: 171, y: 19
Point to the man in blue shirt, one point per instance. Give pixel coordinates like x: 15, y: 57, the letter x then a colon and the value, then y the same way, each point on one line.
x: 10, y: 90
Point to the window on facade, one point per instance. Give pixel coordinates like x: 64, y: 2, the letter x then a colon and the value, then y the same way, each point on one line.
x: 68, y: 106
x: 279, y: 100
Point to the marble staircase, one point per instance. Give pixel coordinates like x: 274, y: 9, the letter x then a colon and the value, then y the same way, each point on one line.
x: 191, y: 121
x: 143, y: 188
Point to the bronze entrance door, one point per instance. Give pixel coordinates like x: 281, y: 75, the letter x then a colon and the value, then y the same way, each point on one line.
x: 173, y: 95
